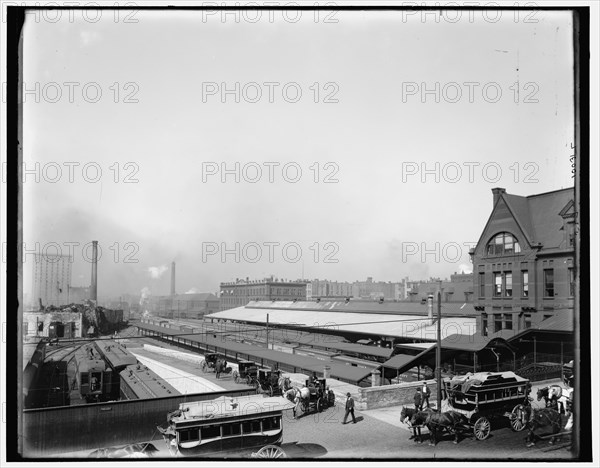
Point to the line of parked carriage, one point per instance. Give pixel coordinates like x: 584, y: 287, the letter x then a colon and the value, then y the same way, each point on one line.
x: 314, y: 395
x: 472, y: 402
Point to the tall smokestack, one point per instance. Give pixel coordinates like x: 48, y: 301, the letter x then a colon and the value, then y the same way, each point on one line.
x: 430, y: 308
x: 172, y: 278
x: 94, y: 288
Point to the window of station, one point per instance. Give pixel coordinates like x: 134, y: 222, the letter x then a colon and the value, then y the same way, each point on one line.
x: 497, y: 322
x: 549, y: 282
x: 503, y: 243
x: 508, y: 322
x: 508, y: 284
x: 497, y: 284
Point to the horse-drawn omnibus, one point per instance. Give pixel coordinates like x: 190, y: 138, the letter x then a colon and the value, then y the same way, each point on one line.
x: 484, y: 396
x: 227, y: 426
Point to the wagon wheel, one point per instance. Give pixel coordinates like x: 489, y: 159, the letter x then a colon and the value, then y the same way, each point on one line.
x: 517, y: 421
x: 482, y: 428
x: 270, y: 391
x: 255, y: 384
x: 320, y: 405
x: 270, y: 451
x: 236, y: 376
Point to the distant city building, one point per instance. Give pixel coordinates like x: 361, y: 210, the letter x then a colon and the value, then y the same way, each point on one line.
x: 241, y: 292
x: 458, y: 289
x: 370, y: 289
x: 524, y: 270
x: 326, y: 288
x: 193, y: 305
x: 51, y: 279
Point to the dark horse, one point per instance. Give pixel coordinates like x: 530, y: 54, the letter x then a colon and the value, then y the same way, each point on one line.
x: 450, y: 421
x: 221, y: 368
x: 406, y: 416
x: 542, y: 417
x: 550, y: 395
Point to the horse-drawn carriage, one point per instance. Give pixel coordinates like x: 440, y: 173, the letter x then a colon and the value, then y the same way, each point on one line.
x: 485, y: 396
x: 210, y: 362
x: 315, y: 395
x: 213, y: 362
x: 268, y: 381
x: 473, y: 402
x: 247, y: 372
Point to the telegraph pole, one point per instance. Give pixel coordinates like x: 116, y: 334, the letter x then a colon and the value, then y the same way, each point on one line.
x: 438, y: 353
x: 267, y: 331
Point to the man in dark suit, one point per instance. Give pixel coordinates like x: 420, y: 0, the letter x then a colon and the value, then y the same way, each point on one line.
x: 349, y: 408
x: 418, y: 400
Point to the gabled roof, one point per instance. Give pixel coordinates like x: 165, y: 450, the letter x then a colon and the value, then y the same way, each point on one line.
x: 539, y: 216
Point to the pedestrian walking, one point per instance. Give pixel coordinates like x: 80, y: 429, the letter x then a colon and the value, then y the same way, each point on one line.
x: 349, y: 408
x: 418, y: 400
x: 426, y: 393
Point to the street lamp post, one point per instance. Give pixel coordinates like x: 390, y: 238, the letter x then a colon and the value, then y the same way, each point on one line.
x: 438, y: 354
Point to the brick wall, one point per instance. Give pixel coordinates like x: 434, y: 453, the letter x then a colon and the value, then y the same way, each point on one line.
x: 391, y: 395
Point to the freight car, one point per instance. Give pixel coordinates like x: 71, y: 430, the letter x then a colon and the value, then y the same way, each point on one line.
x: 139, y: 382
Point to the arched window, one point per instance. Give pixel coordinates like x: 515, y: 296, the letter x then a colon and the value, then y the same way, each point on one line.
x: 503, y: 244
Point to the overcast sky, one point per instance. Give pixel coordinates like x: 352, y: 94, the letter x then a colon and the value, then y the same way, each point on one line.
x: 376, y: 132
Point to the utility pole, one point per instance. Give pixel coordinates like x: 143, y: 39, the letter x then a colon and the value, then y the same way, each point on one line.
x: 267, y: 331
x: 438, y: 354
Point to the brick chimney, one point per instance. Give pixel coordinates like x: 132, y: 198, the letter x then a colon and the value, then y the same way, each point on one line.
x: 497, y: 192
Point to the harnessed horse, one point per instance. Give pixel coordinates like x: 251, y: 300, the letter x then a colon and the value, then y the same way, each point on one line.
x: 449, y: 420
x: 296, y: 395
x: 221, y: 368
x: 551, y: 396
x: 542, y: 417
x: 414, y: 419
x: 284, y: 384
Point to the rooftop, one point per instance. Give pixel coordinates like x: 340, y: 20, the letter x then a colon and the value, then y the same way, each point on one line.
x: 223, y: 407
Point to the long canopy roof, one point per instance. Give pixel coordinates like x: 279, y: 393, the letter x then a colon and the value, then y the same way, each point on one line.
x: 415, y: 327
x: 337, y: 369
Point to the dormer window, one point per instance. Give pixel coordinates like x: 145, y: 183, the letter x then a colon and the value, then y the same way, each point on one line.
x: 503, y: 244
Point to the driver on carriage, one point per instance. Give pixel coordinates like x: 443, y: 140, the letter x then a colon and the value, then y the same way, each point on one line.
x: 314, y: 380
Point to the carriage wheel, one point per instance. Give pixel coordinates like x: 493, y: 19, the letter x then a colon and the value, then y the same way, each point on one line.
x: 236, y: 377
x: 255, y: 384
x: 516, y: 422
x: 270, y: 451
x: 320, y: 405
x: 482, y: 428
x: 270, y: 390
